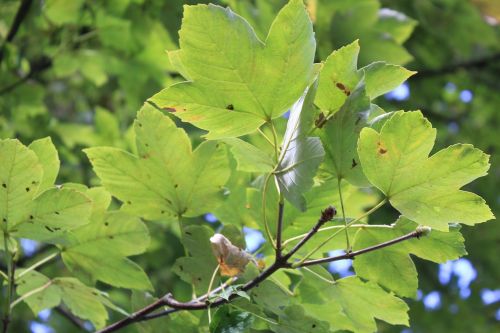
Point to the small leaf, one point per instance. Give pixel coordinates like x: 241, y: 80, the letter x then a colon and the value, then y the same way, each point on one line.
x: 49, y: 159
x: 381, y: 78
x: 338, y: 78
x: 425, y: 189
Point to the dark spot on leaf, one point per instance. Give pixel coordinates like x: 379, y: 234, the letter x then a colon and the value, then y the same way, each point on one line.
x: 357, y: 120
x: 320, y: 121
x: 347, y: 92
x: 33, y: 182
x: 57, y: 213
x: 163, y: 212
x: 176, y: 185
x: 129, y: 202
x: 4, y: 220
x: 27, y: 189
x: 4, y: 185
x: 106, y: 224
x: 353, y: 165
x: 340, y: 86
x: 31, y: 217
x: 168, y: 201
x: 169, y: 109
x: 382, y: 150
x: 199, y: 279
x: 139, y: 124
x: 313, y: 325
x: 57, y: 228
x: 181, y: 268
x: 111, y: 237
x: 188, y: 233
x: 95, y: 293
x: 49, y: 228
x: 230, y: 107
x: 146, y: 144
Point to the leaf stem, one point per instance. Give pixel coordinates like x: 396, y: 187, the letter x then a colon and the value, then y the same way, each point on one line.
x: 264, y: 216
x: 349, y: 255
x: 351, y: 224
x: 348, y: 244
x: 37, y: 264
x: 266, y: 137
x: 281, y: 207
x: 212, y: 279
x: 275, y: 139
x: 9, y: 258
x: 317, y: 248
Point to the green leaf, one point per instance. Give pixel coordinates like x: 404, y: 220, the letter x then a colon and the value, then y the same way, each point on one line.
x: 58, y: 208
x: 83, y: 301
x: 295, y: 320
x: 249, y: 157
x: 239, y: 82
x: 20, y: 176
x: 49, y: 159
x: 339, y: 76
x: 99, y: 250
x: 424, y: 189
x: 381, y: 78
x: 226, y: 321
x: 196, y: 269
x: 48, y: 297
x: 300, y: 155
x: 351, y: 304
x: 340, y: 137
x: 270, y: 297
x: 166, y: 178
x: 62, y: 12
x: 392, y: 267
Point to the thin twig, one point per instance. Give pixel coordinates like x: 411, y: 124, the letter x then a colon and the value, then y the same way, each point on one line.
x: 349, y: 255
x: 279, y: 263
x: 279, y: 229
x: 69, y: 316
x: 21, y: 14
x: 326, y: 216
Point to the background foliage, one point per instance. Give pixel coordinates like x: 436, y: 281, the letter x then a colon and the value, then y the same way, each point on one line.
x: 78, y: 71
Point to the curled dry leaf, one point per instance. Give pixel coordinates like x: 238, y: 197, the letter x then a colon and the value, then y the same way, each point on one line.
x: 232, y: 259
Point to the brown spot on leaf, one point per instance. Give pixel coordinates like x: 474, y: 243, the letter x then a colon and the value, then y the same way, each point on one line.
x: 4, y: 185
x: 230, y: 107
x: 340, y: 86
x: 382, y: 150
x: 320, y: 121
x: 27, y: 189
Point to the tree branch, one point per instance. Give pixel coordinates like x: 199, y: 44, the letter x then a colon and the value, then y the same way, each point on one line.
x: 279, y: 228
x: 21, y: 14
x: 69, y: 316
x: 350, y: 255
x: 467, y: 65
x: 201, y: 303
